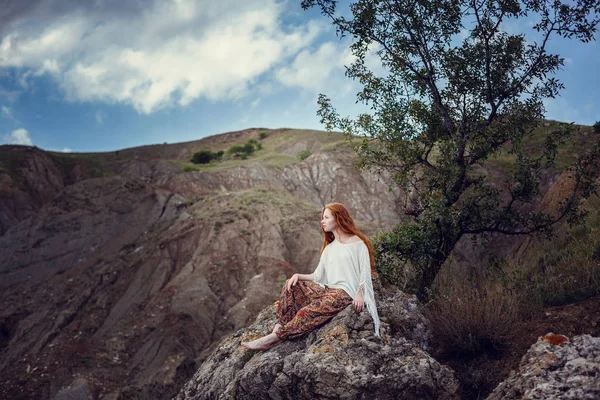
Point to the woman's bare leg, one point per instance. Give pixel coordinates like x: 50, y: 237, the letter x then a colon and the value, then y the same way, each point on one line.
x: 276, y: 328
x: 263, y: 343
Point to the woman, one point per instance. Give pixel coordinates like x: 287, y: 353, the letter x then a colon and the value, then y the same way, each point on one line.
x: 342, y: 277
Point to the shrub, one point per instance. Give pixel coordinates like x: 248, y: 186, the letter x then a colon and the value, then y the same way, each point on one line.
x: 206, y: 156
x: 249, y: 148
x: 597, y: 127
x: 392, y: 269
x: 236, y: 149
x: 262, y: 135
x: 202, y: 157
x: 304, y: 154
x: 568, y: 271
x: 470, y: 318
x: 245, y: 150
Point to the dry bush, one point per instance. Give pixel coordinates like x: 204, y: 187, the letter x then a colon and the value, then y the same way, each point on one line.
x: 469, y: 318
x: 567, y: 268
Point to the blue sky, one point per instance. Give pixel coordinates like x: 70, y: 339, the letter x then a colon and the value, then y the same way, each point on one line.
x: 105, y: 74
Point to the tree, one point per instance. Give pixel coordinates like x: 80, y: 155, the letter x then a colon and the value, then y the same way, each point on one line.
x: 458, y: 90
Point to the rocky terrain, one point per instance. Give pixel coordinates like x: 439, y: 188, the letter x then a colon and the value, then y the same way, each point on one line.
x: 555, y: 367
x: 122, y: 272
x: 341, y: 360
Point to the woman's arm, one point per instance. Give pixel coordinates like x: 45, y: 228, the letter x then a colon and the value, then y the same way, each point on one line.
x: 298, y: 277
x: 364, y: 264
x: 359, y: 299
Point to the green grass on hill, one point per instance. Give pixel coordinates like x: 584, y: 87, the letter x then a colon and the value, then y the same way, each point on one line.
x: 567, y: 154
x: 279, y: 149
x: 248, y: 201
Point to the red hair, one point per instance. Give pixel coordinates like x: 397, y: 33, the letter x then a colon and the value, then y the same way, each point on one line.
x: 346, y: 224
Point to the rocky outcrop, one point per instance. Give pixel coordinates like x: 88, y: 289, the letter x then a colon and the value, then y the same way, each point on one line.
x: 343, y: 359
x: 555, y: 367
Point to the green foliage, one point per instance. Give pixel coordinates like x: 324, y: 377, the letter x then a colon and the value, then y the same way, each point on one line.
x: 236, y: 149
x: 206, y: 156
x: 304, y: 154
x: 449, y: 102
x: 262, y: 135
x: 568, y: 269
x: 249, y: 148
x: 243, y: 151
x: 190, y: 168
x: 597, y: 127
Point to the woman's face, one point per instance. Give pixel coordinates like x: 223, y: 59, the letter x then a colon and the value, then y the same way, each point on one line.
x: 328, y: 221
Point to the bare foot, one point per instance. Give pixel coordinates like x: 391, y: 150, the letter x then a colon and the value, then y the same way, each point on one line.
x: 263, y: 343
x: 276, y: 328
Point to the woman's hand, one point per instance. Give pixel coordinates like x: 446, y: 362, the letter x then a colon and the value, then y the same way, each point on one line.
x: 359, y: 301
x: 291, y: 282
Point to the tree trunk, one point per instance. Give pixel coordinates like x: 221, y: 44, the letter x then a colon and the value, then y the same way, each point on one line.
x: 433, y: 267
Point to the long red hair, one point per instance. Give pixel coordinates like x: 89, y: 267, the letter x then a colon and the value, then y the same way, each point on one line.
x: 346, y: 224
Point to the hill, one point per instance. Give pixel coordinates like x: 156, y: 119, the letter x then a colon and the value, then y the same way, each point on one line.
x: 123, y: 268
x: 122, y: 271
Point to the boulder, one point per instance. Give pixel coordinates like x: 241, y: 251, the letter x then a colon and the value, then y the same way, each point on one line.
x: 555, y: 368
x: 342, y: 359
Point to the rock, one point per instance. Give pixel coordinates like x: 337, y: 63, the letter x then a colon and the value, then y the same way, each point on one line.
x: 78, y: 390
x: 555, y: 368
x: 342, y: 359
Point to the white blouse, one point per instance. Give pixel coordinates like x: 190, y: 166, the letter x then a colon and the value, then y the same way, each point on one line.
x: 348, y: 267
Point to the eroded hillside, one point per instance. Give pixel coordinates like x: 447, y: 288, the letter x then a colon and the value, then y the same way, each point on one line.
x: 121, y: 269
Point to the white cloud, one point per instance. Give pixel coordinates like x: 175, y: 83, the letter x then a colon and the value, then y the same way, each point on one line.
x: 11, y: 95
x: 312, y: 71
x: 256, y: 102
x: 100, y: 115
x: 18, y: 136
x: 172, y: 53
x: 64, y: 150
x: 6, y: 113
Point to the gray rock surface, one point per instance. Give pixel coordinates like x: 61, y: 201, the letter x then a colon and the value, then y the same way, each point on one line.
x: 78, y: 390
x: 555, y: 368
x: 342, y: 359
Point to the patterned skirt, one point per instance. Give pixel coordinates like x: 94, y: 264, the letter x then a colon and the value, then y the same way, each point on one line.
x: 307, y: 306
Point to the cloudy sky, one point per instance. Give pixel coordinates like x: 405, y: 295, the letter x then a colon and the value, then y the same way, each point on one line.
x: 101, y: 75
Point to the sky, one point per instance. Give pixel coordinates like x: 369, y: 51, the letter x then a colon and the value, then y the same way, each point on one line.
x: 102, y: 75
